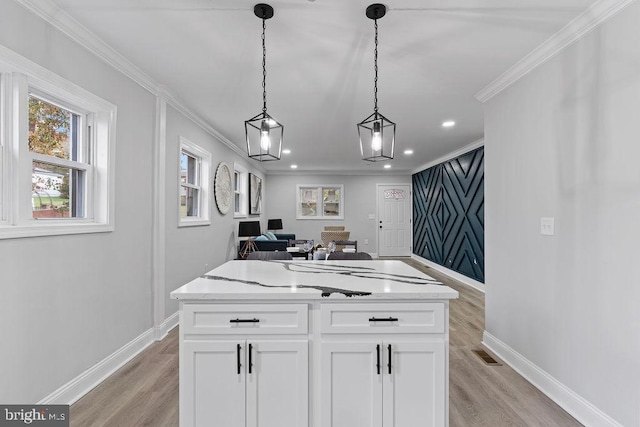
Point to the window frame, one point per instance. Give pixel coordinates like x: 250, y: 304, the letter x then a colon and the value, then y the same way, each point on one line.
x: 320, y: 211
x: 243, y: 193
x: 203, y: 176
x: 18, y: 78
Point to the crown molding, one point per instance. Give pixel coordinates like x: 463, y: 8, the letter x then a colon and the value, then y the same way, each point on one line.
x: 582, y: 25
x: 449, y: 156
x: 61, y: 20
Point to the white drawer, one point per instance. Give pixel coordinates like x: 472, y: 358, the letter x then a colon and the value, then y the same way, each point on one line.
x: 381, y: 318
x: 233, y: 319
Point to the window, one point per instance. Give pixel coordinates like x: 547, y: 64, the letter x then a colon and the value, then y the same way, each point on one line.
x: 193, y: 198
x: 320, y: 202
x: 58, y: 149
x: 57, y: 144
x: 240, y: 183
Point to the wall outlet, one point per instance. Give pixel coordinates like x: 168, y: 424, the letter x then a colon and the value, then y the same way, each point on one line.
x: 366, y: 241
x: 547, y: 226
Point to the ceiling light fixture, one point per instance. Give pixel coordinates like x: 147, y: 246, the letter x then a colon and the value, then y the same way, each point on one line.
x: 294, y: 166
x: 408, y: 152
x: 263, y: 132
x: 387, y: 166
x: 377, y: 133
x: 448, y: 124
x: 286, y: 151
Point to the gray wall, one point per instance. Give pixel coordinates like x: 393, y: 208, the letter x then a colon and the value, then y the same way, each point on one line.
x: 70, y: 301
x: 360, y: 201
x: 563, y: 142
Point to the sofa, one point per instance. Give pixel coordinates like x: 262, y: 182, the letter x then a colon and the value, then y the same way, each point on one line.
x: 279, y: 244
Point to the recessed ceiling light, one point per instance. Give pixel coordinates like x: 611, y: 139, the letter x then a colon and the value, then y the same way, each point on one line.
x: 448, y: 124
x: 408, y: 152
x: 387, y: 166
x: 294, y: 166
x: 286, y: 151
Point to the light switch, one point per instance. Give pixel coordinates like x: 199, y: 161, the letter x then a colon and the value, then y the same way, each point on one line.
x: 372, y: 216
x: 547, y: 227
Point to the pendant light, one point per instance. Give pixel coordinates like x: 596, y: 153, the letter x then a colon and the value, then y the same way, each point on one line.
x: 377, y: 133
x: 263, y: 132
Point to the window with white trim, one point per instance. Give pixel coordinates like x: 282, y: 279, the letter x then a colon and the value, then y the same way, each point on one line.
x: 320, y: 202
x: 193, y: 198
x: 57, y: 145
x: 240, y: 185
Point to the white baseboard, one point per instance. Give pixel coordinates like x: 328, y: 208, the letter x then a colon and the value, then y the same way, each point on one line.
x: 453, y: 274
x: 567, y: 399
x: 70, y: 392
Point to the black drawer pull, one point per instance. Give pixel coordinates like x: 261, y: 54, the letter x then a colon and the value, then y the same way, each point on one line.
x: 378, y: 358
x: 389, y: 358
x: 238, y: 358
x: 383, y: 319
x: 244, y: 320
x: 250, y: 361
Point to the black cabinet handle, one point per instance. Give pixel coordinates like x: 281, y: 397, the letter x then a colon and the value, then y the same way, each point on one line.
x: 244, y: 320
x: 383, y: 319
x: 378, y: 358
x: 238, y: 358
x: 389, y: 364
x: 250, y: 361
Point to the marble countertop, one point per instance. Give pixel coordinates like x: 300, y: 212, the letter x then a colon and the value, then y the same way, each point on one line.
x: 298, y: 280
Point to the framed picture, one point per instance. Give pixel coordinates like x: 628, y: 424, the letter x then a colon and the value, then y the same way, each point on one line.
x: 255, y: 194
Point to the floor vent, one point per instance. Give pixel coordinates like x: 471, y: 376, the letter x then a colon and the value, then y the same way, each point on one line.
x: 486, y: 358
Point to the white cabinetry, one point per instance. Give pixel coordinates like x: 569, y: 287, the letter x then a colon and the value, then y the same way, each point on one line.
x: 240, y: 378
x: 383, y: 365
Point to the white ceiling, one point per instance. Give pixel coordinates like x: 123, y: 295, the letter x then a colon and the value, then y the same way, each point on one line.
x: 434, y: 56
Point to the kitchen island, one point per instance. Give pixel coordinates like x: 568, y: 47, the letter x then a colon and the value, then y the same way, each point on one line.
x: 314, y: 343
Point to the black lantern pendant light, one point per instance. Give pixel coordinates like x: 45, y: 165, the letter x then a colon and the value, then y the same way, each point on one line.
x: 263, y: 132
x: 377, y: 133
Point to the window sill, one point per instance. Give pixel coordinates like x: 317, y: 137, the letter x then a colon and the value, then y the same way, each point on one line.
x: 193, y: 223
x: 58, y: 229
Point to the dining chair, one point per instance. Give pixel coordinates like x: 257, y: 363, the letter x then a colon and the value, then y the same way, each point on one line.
x: 269, y: 255
x: 341, y: 244
x: 363, y: 256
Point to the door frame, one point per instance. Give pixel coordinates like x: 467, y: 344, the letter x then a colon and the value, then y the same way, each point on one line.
x: 378, y: 185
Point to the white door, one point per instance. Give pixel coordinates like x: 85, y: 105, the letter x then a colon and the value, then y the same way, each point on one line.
x: 277, y: 384
x: 351, y: 388
x: 415, y: 390
x: 394, y: 220
x: 211, y: 384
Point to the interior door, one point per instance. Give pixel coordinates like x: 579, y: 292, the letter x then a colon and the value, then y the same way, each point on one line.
x: 414, y: 390
x: 277, y: 383
x: 218, y: 384
x: 351, y: 388
x: 394, y: 220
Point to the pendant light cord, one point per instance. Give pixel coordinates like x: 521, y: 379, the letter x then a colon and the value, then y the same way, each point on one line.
x: 264, y: 68
x: 375, y: 68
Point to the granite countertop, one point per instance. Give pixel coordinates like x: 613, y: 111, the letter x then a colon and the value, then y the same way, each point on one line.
x: 308, y: 280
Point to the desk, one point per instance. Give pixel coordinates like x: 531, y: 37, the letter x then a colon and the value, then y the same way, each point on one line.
x: 357, y: 343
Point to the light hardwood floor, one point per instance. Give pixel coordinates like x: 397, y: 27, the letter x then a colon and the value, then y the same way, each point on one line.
x: 144, y: 392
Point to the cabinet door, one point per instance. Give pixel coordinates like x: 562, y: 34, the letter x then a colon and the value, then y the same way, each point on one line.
x: 212, y: 392
x: 351, y: 388
x: 414, y: 391
x: 277, y: 384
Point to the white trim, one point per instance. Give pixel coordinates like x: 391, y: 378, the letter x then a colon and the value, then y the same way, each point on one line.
x: 453, y: 274
x: 582, y: 410
x: 582, y: 25
x: 159, y: 215
x: 73, y: 390
x: 464, y: 150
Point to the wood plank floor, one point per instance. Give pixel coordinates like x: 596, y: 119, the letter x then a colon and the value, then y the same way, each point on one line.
x: 144, y: 392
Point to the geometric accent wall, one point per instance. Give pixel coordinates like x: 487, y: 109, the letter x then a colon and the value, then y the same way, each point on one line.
x: 448, y: 214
